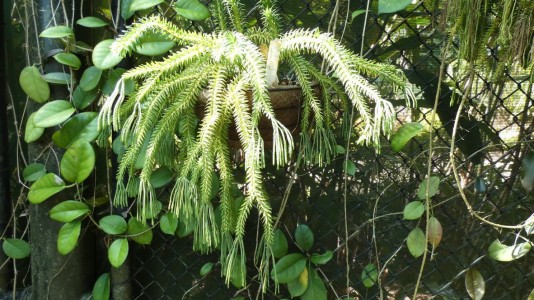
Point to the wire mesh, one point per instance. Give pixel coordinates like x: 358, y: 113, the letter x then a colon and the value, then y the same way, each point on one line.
x: 494, y: 127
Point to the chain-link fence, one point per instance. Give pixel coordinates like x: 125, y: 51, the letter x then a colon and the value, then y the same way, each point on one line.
x: 492, y: 139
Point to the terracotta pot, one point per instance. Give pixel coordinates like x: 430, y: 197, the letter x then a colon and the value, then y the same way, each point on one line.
x: 286, y: 102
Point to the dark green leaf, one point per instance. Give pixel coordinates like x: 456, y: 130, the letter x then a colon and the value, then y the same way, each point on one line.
x: 53, y: 113
x: 391, y: 6
x: 288, y: 268
x: 46, y: 186
x: 68, y: 237
x: 82, y: 99
x: 191, y: 9
x: 126, y: 12
x: 31, y: 132
x: 298, y: 286
x: 113, y: 224
x: 154, y: 44
x: 238, y: 277
x: 527, y: 170
x: 68, y: 211
x: 321, y: 259
x: 90, y: 78
x: 91, y: 22
x: 416, y: 242
x: 33, y: 172
x: 161, y: 177
x: 316, y: 289
x: 340, y: 149
x: 57, y: 78
x: 139, y: 232
x: 33, y: 84
x: 168, y: 223
x: 369, y: 275
x: 68, y: 59
x: 78, y: 162
x: 185, y: 228
x: 279, y: 244
x: 102, y: 287
x: 304, y: 237
x: 475, y: 284
x: 404, y: 134
x: 81, y: 127
x: 356, y: 13
x: 350, y: 167
x: 433, y: 187
x: 16, y: 248
x: 413, y: 210
x: 103, y: 58
x: 501, y: 252
x: 118, y: 252
x: 57, y: 32
x: 206, y: 268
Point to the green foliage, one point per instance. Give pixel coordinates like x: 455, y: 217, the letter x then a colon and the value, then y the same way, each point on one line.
x: 113, y: 224
x: 118, y: 252
x: 500, y: 252
x: 416, y: 242
x: 47, y: 186
x: 475, y: 284
x: 404, y: 134
x: 101, y: 289
x: 16, y: 248
x: 68, y: 211
x: 369, y: 275
x: 391, y: 6
x: 68, y: 237
x: 34, y: 85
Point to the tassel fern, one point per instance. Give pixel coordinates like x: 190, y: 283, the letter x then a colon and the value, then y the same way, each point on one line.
x: 224, y: 75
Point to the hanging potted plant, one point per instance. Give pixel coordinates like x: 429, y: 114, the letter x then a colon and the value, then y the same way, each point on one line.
x: 232, y: 75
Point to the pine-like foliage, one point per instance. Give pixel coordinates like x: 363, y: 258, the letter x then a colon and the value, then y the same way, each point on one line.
x: 224, y: 74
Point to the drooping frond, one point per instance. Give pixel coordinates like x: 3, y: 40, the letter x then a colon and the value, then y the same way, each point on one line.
x: 135, y: 35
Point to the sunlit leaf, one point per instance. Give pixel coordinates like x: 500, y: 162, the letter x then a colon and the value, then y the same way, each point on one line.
x: 81, y: 127
x: 68, y: 59
x: 68, y: 211
x: 501, y: 252
x: 529, y: 225
x: 53, y: 113
x: 475, y: 284
x: 405, y: 133
x: 103, y: 58
x: 102, y: 287
x: 433, y: 187
x: 154, y: 44
x: 416, y: 242
x: 143, y: 4
x: 304, y: 237
x: 413, y: 210
x: 47, y: 186
x: 32, y: 83
x: 168, y: 223
x: 206, y: 268
x: 321, y: 259
x: 31, y: 132
x: 16, y: 248
x: 118, y: 252
x: 113, y: 224
x: 91, y: 22
x: 316, y: 289
x: 391, y: 6
x: 57, y: 32
x: 298, y: 286
x: 288, y: 268
x: 68, y: 237
x: 78, y: 162
x: 191, y: 9
x: 369, y: 275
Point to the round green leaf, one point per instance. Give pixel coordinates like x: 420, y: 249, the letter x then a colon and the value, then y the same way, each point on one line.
x: 103, y: 58
x: 154, y: 44
x: 279, y: 247
x: 433, y: 187
x: 475, y: 284
x: 206, y: 268
x: 185, y: 228
x: 68, y: 211
x: 33, y: 172
x: 126, y: 12
x: 405, y: 133
x: 416, y: 242
x: 118, y: 252
x: 161, y: 177
x: 57, y: 78
x: 68, y: 59
x: 316, y: 289
x: 102, y: 287
x: 91, y: 22
x: 46, y: 186
x: 143, y: 4
x: 81, y: 99
x: 139, y: 232
x: 57, y: 32
x: 113, y: 224
x: 53, y: 113
x: 369, y: 275
x: 501, y: 252
x: 350, y: 167
x: 288, y: 268
x: 81, y: 127
x: 391, y: 6
x: 16, y: 248
x: 68, y: 237
x: 298, y: 286
x: 90, y: 78
x: 413, y: 210
x: 191, y: 9
x: 31, y: 132
x: 33, y: 84
x: 168, y: 223
x: 304, y: 237
x: 321, y: 259
x: 78, y: 162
